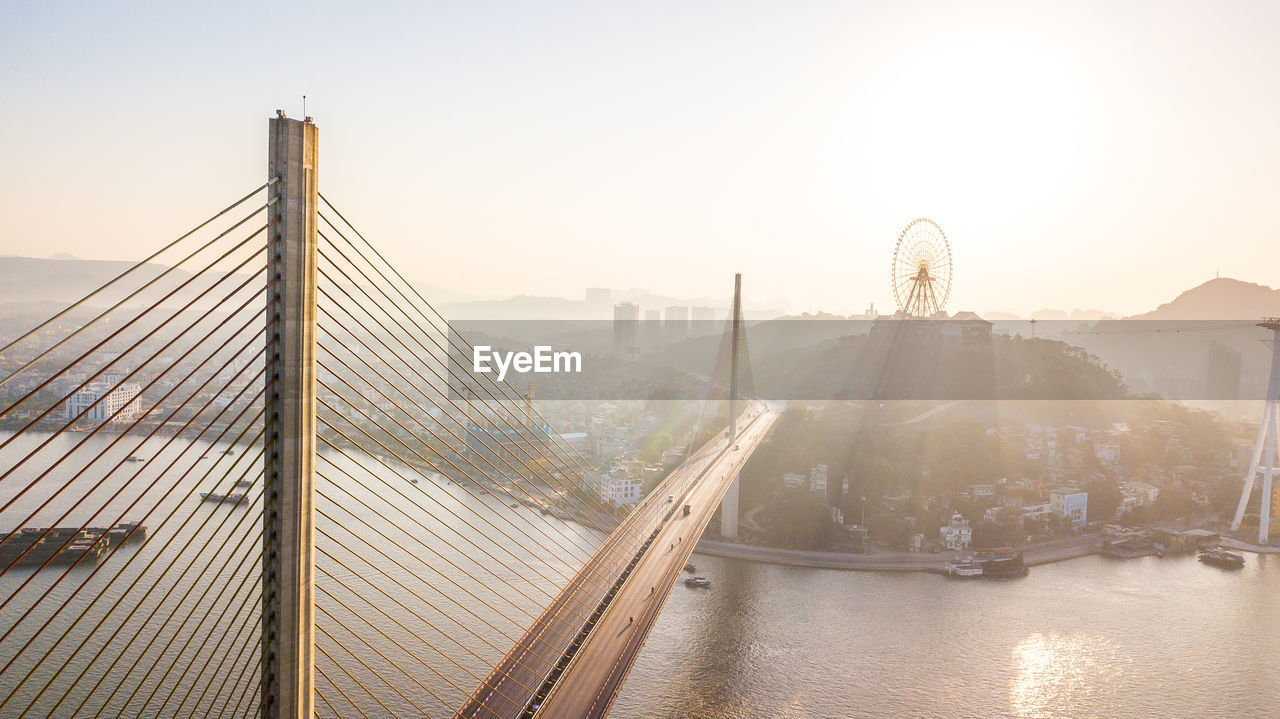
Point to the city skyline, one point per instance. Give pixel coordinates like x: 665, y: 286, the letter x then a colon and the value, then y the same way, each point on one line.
x: 1060, y: 147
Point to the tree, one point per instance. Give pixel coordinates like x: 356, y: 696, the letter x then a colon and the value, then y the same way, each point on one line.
x: 1173, y: 503
x: 654, y: 445
x: 1104, y: 499
x: 798, y: 520
x: 992, y: 534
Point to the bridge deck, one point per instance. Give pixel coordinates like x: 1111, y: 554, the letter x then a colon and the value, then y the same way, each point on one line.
x: 601, y: 665
x: 584, y: 681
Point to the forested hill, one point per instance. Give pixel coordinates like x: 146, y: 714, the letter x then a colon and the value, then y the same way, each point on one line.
x: 865, y: 367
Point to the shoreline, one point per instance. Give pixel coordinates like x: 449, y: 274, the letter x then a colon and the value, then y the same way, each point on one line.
x: 1057, y: 550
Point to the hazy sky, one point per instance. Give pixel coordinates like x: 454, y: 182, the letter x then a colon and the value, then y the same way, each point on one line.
x: 1080, y: 154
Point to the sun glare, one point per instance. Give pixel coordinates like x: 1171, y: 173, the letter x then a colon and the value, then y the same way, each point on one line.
x: 974, y: 122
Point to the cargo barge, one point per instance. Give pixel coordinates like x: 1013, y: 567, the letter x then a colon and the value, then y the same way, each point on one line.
x: 64, y: 546
x: 1001, y: 563
x: 1219, y: 557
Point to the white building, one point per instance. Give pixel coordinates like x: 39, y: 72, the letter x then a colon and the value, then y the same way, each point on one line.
x: 580, y: 441
x: 1136, y: 494
x: 122, y: 399
x: 622, y: 487
x: 1036, y: 511
x: 1108, y: 452
x: 1144, y: 491
x: 958, y: 534
x: 818, y: 480
x: 1128, y: 503
x: 791, y: 480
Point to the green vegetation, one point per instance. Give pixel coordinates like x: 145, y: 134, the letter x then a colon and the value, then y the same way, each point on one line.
x: 653, y: 445
x: 906, y: 477
x: 796, y: 519
x: 933, y: 367
x: 925, y: 459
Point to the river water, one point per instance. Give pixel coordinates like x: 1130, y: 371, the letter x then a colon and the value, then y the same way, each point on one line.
x: 422, y: 583
x: 1090, y: 637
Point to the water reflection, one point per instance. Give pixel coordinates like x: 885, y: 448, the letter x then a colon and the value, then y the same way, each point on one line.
x: 1052, y: 672
x: 1085, y: 638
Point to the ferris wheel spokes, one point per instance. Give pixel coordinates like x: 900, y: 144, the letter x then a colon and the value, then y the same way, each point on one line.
x: 921, y: 270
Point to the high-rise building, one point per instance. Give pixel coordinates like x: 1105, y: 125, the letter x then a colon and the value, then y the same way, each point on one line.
x: 626, y: 321
x: 676, y: 322
x: 704, y: 322
x: 651, y: 329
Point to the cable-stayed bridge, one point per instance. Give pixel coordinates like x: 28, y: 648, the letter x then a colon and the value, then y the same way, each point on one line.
x: 235, y: 481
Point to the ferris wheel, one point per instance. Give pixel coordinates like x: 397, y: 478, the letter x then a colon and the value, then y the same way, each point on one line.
x: 921, y: 272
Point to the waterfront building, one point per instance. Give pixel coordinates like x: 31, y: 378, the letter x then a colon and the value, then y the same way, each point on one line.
x: 958, y: 534
x: 1071, y: 504
x: 101, y: 401
x: 503, y: 446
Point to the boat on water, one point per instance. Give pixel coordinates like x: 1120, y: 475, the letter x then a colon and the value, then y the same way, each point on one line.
x: 1220, y: 557
x: 244, y: 484
x: 1001, y: 563
x: 135, y: 458
x: 125, y: 532
x: 63, y: 546
x: 963, y: 568
x: 690, y: 568
x: 698, y: 583
x: 232, y: 498
x: 80, y: 550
